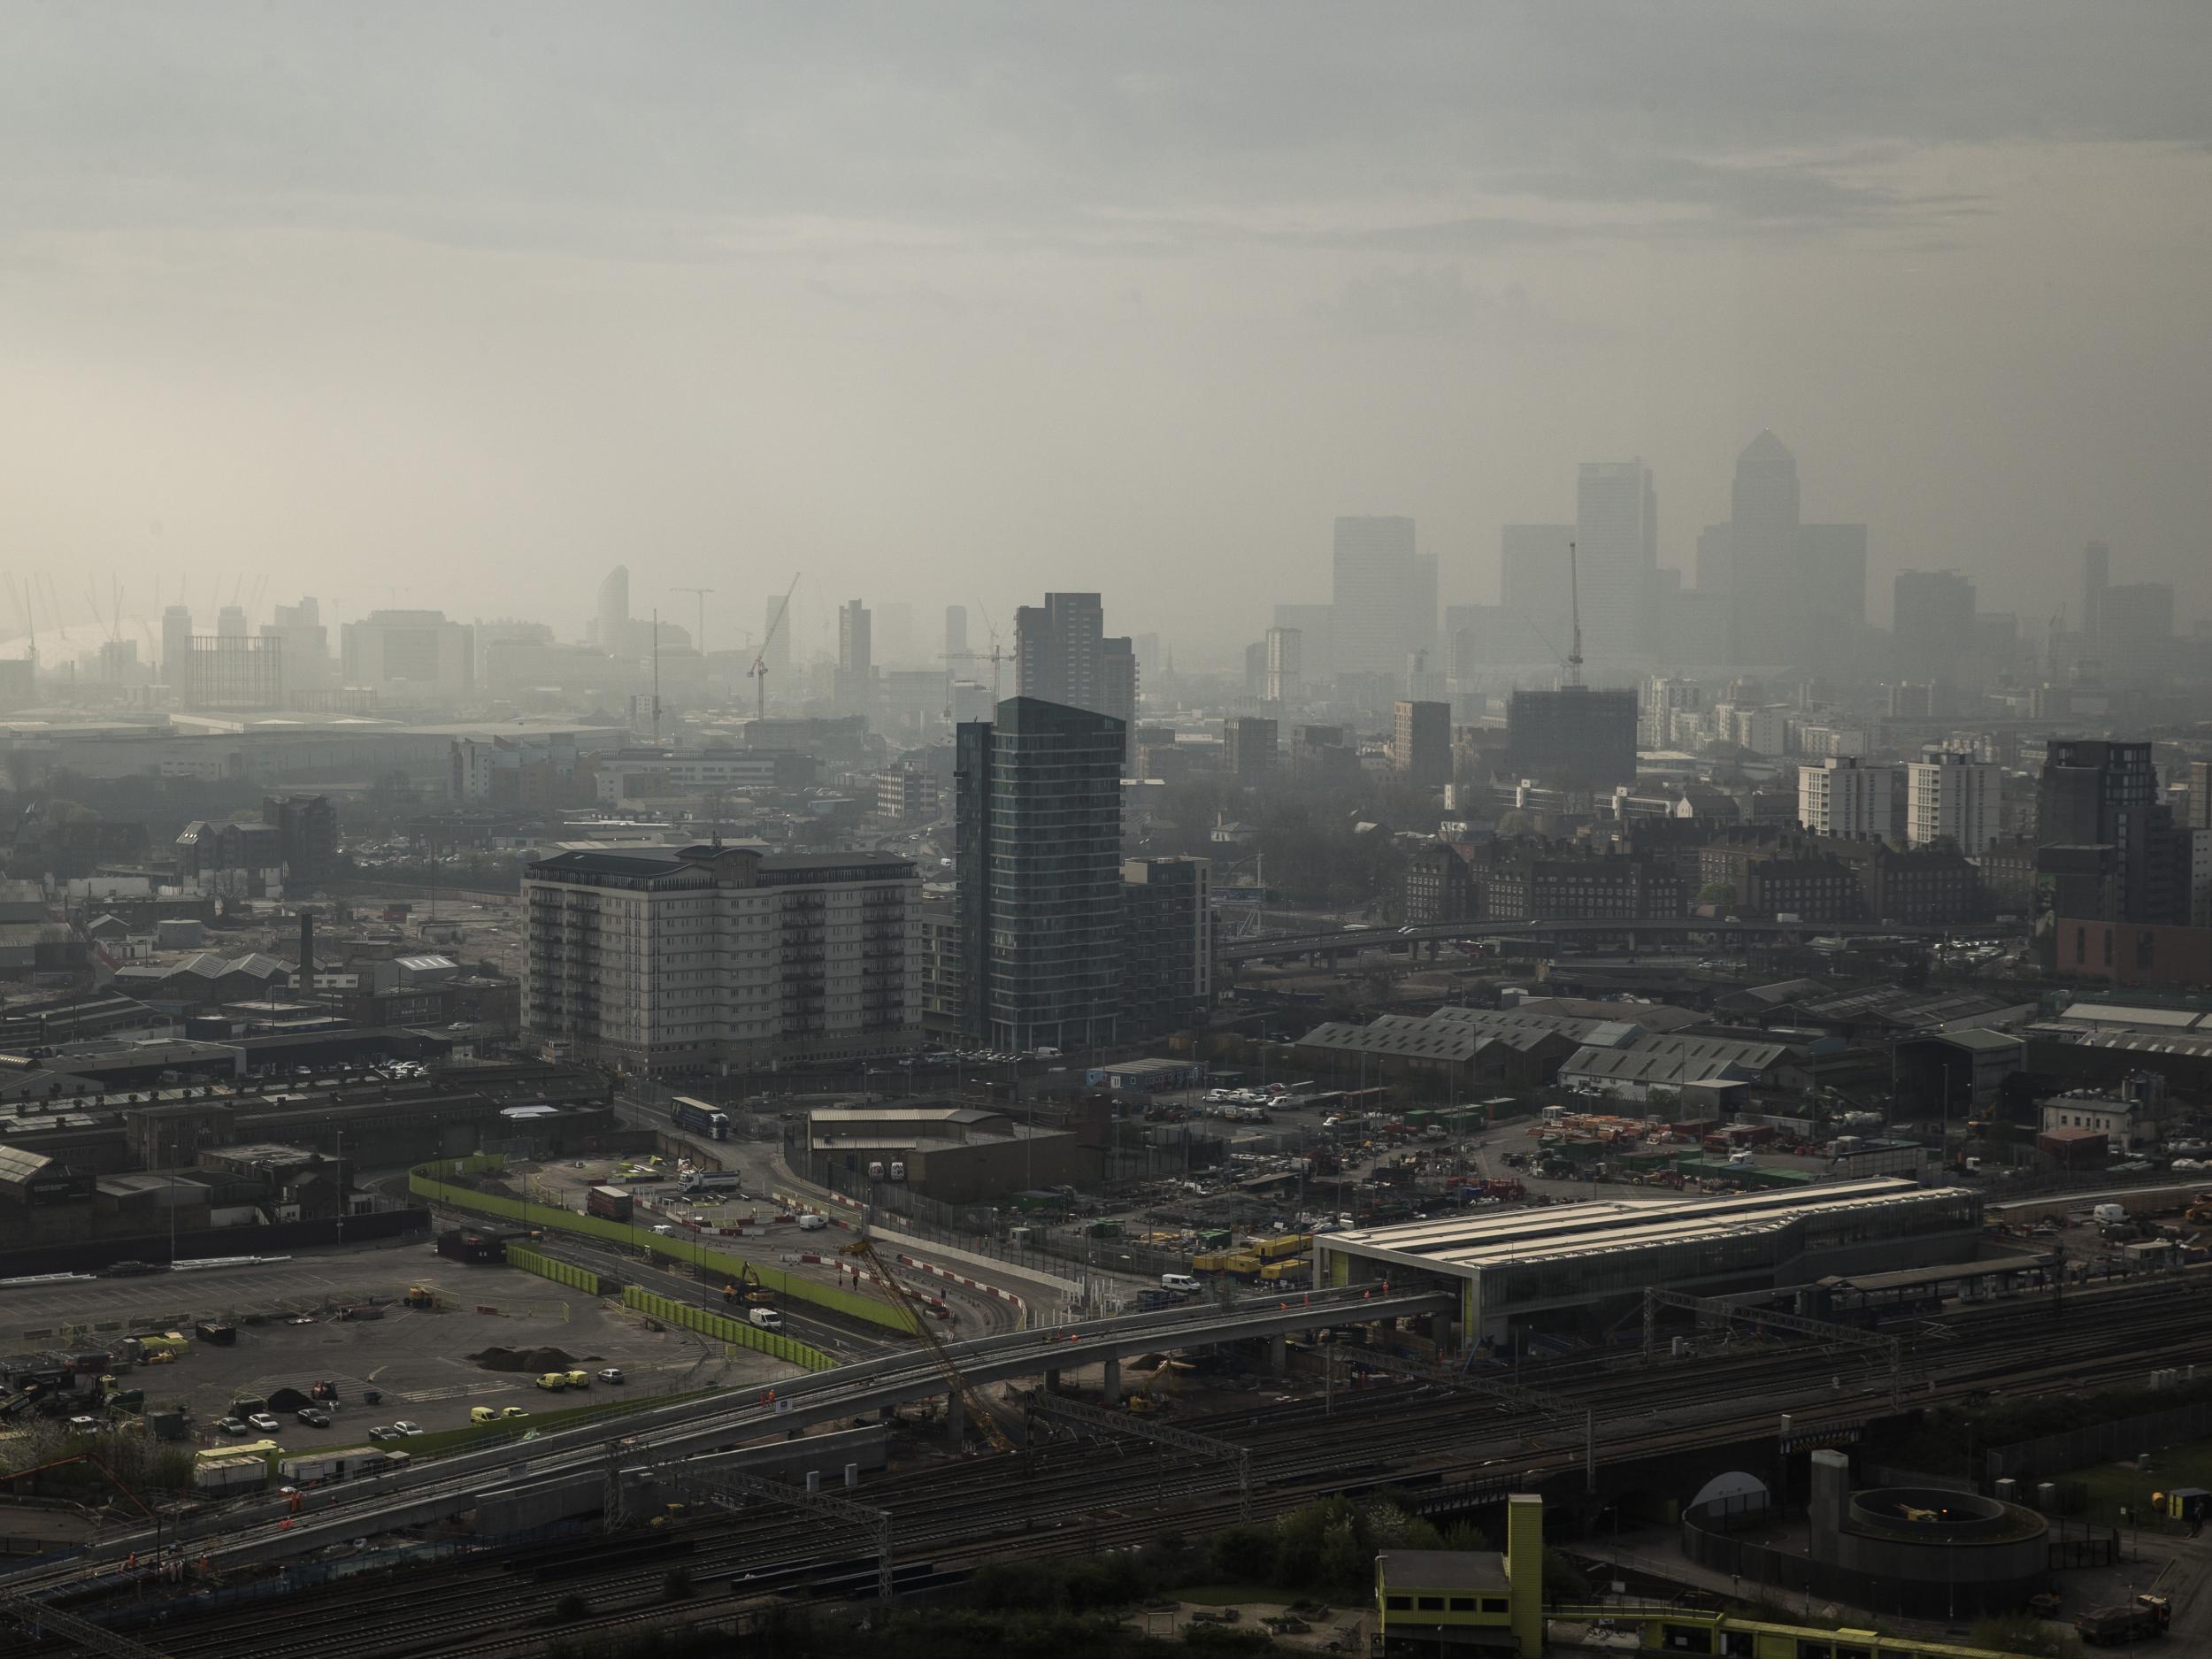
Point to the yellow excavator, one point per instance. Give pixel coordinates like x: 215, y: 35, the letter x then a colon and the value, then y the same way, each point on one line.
x: 980, y: 1414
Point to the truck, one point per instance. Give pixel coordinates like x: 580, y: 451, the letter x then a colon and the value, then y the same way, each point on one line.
x: 611, y: 1202
x: 700, y: 1118
x: 711, y: 1181
x: 2128, y: 1621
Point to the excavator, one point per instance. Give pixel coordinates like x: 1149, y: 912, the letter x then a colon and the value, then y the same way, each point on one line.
x: 979, y: 1413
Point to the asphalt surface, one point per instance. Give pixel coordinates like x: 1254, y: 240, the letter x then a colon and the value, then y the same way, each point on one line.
x: 158, y: 1298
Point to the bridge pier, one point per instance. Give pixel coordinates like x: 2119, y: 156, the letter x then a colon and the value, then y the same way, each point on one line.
x: 1110, y: 1382
x: 1052, y: 1382
x: 1278, y: 1353
x: 956, y: 1418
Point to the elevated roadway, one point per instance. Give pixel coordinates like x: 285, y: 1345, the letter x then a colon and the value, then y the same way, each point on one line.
x: 266, y: 1530
x: 1348, y: 942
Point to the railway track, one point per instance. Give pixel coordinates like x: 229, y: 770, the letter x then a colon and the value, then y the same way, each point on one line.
x: 1083, y: 1495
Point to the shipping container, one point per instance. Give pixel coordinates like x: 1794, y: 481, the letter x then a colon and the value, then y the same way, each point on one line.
x: 1291, y: 1268
x: 611, y: 1202
x: 231, y: 1473
x: 1282, y: 1245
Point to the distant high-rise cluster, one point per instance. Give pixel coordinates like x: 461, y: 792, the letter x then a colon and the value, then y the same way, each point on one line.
x: 1064, y: 655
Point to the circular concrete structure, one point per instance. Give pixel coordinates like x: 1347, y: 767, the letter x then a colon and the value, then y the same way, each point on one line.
x: 1931, y: 1515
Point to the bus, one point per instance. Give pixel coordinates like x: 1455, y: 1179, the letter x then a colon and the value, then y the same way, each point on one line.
x: 700, y: 1118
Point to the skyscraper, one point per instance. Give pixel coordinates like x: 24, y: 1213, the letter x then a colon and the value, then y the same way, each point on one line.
x: 1421, y: 742
x: 1167, y: 945
x: 1061, y: 655
x: 955, y: 631
x: 1284, y: 652
x: 2096, y: 576
x: 611, y: 622
x: 1037, y: 851
x: 1249, y: 748
x: 1377, y: 582
x: 1617, y: 549
x: 1933, y: 634
x: 176, y: 646
x: 855, y: 686
x: 1761, y: 558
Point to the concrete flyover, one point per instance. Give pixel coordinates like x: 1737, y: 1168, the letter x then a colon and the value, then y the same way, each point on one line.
x: 1348, y: 942
x: 267, y: 1530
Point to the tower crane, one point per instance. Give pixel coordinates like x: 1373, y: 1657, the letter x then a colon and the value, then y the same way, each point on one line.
x: 901, y: 1297
x: 700, y: 643
x: 1574, y: 607
x: 759, y: 670
x: 997, y: 655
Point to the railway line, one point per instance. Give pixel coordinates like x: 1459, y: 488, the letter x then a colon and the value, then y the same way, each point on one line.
x: 1072, y: 1493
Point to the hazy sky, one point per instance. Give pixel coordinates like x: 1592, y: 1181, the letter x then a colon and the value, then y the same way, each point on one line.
x: 457, y: 305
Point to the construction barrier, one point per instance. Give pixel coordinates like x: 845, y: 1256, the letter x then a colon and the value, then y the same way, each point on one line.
x: 575, y: 1278
x: 723, y: 1329
x: 430, y: 1181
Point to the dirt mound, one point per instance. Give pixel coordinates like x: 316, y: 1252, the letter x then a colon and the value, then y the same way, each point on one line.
x: 288, y: 1400
x: 524, y: 1359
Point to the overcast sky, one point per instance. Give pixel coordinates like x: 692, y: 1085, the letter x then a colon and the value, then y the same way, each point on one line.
x: 457, y: 305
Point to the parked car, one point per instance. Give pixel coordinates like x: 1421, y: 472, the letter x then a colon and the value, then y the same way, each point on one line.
x: 381, y: 1433
x: 610, y: 1373
x: 314, y: 1417
x: 230, y: 1425
x: 262, y: 1421
x: 407, y: 1426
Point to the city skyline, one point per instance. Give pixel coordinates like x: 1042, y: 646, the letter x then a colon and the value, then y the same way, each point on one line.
x: 706, y: 359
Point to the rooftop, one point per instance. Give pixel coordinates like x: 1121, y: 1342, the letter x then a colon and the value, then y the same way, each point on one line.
x: 1444, y: 1570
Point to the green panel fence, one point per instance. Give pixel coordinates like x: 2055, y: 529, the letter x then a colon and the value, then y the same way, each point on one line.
x: 432, y: 1181
x: 723, y: 1329
x: 567, y: 1273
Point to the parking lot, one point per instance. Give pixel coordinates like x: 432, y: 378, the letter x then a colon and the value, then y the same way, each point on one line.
x: 417, y: 1358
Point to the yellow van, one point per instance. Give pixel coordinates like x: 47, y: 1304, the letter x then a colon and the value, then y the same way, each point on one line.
x: 553, y: 1381
x: 580, y: 1379
x: 482, y: 1414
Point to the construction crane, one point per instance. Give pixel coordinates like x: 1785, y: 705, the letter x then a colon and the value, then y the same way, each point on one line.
x: 900, y: 1296
x: 997, y: 656
x: 1574, y: 609
x: 700, y: 643
x: 759, y: 670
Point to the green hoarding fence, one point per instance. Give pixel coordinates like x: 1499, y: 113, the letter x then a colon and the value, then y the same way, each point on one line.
x: 567, y: 1273
x: 723, y: 1329
x: 433, y: 1181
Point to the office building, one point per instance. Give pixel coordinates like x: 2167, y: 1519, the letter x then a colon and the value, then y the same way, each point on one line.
x: 1061, y: 655
x: 1574, y: 736
x: 307, y: 836
x: 907, y: 794
x: 1037, y: 855
x: 1380, y: 587
x: 2096, y: 794
x: 1248, y: 748
x: 1421, y: 742
x: 1284, y: 654
x: 1846, y: 796
x: 1664, y: 697
x: 610, y: 628
x: 176, y: 646
x: 2200, y: 795
x: 854, y: 690
x: 1952, y: 796
x: 1314, y: 625
x: 305, y: 645
x: 1617, y: 550
x: 955, y: 634
x: 1933, y: 632
x: 230, y: 673
x: 675, y: 962
x: 1762, y: 553
x: 1167, y: 945
x: 410, y: 653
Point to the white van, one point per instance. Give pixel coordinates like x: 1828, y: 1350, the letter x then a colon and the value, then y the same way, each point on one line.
x: 1181, y: 1284
x: 764, y: 1318
x: 812, y: 1222
x: 2106, y: 1214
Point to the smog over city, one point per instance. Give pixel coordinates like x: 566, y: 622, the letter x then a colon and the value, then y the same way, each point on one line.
x: 1105, y: 829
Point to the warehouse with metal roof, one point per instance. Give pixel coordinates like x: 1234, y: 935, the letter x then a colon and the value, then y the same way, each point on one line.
x: 1580, y: 1268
